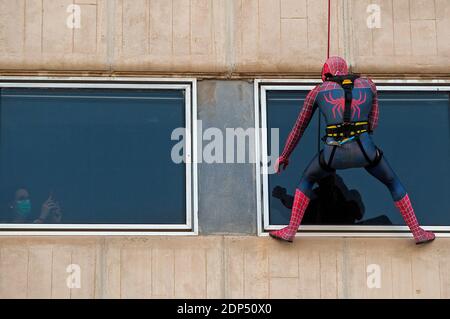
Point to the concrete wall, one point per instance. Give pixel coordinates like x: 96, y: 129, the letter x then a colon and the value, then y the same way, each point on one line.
x: 227, y: 204
x: 218, y: 267
x: 223, y: 37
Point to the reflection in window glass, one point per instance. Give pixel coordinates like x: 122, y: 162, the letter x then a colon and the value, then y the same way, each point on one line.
x: 79, y: 156
x: 414, y: 134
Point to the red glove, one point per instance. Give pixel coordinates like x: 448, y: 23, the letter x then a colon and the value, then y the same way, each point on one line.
x: 282, y: 163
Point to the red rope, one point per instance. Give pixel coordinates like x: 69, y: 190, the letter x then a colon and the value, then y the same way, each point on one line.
x: 329, y: 23
x: 328, y: 55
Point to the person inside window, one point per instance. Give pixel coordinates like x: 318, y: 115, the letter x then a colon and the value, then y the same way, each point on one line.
x: 51, y: 212
x: 21, y: 206
x: 22, y: 209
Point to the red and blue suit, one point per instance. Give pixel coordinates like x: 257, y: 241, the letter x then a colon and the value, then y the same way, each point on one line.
x: 348, y: 144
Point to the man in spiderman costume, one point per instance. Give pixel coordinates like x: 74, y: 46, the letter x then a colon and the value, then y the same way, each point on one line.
x: 349, y: 104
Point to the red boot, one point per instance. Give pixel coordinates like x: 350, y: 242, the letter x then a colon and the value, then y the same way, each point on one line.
x: 420, y: 235
x: 301, y: 201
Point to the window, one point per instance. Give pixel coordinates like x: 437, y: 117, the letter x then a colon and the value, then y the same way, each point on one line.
x: 97, y: 157
x: 414, y: 134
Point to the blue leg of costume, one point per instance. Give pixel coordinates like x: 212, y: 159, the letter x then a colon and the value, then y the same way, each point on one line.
x: 385, y: 174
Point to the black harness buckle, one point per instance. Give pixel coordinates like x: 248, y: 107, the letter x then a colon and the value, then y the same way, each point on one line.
x: 346, y: 82
x: 346, y: 128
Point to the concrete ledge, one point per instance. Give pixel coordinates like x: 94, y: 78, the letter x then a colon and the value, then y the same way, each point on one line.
x: 222, y: 267
x: 224, y: 38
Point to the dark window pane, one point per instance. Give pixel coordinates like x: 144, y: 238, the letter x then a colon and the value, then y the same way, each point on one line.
x: 282, y: 111
x: 103, y: 154
x: 414, y: 133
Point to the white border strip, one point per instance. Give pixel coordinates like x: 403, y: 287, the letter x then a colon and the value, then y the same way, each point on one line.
x: 76, y: 85
x: 261, y: 86
x: 93, y: 78
x: 93, y: 233
x: 96, y: 226
x: 195, y: 156
x: 356, y: 234
x: 259, y: 226
x: 432, y: 82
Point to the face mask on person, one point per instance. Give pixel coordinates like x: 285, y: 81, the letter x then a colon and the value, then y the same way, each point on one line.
x: 23, y: 207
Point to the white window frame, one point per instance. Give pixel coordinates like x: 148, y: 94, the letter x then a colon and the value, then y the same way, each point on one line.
x: 261, y: 86
x: 189, y: 86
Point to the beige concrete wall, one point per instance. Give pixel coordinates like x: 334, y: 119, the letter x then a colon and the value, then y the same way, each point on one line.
x: 218, y: 267
x: 223, y: 37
